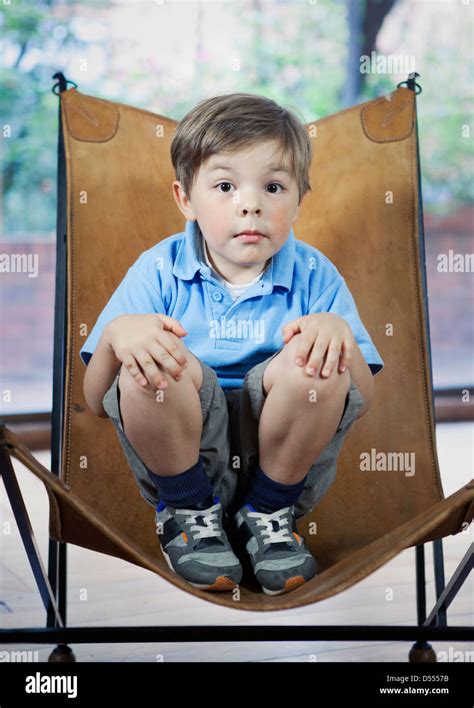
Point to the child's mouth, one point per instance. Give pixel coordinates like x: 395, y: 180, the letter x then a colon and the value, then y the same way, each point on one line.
x: 249, y: 238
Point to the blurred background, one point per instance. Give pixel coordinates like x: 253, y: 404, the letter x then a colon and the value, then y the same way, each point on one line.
x: 164, y: 57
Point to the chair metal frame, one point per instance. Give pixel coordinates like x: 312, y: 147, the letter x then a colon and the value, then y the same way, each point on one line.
x: 52, y: 585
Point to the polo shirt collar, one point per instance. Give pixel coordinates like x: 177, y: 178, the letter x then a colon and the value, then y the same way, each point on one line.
x: 190, y: 258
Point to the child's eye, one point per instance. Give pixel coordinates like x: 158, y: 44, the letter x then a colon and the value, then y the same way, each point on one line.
x: 220, y: 185
x: 272, y: 184
x: 276, y: 184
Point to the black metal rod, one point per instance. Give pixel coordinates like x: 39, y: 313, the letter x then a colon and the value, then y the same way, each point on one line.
x: 438, y: 564
x: 420, y: 584
x: 422, y: 252
x: 57, y: 555
x: 437, y: 550
x: 256, y: 633
x: 451, y: 590
x: 28, y: 538
x: 53, y: 548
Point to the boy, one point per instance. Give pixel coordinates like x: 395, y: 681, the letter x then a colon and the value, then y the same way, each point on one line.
x: 277, y: 363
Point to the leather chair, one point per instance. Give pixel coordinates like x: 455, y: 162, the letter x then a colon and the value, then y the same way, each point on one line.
x: 119, y: 156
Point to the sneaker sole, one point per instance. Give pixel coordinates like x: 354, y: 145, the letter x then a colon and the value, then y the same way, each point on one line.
x: 291, y: 584
x: 221, y: 584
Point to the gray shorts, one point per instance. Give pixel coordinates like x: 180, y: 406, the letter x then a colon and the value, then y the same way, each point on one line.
x: 229, y: 440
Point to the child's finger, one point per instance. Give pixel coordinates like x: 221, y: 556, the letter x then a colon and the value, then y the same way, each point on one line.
x: 133, y: 367
x: 345, y: 356
x: 290, y: 329
x: 152, y: 371
x: 332, y: 357
x: 155, y: 360
x: 317, y: 355
x: 305, y: 345
x: 169, y: 323
x: 174, y: 347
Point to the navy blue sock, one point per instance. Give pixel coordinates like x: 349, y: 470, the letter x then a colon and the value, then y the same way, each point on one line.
x: 267, y: 495
x: 189, y: 490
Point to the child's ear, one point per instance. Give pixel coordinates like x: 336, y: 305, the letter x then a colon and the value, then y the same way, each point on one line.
x: 182, y: 200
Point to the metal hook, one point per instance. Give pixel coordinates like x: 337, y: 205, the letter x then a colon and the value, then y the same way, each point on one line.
x: 62, y: 83
x: 411, y: 83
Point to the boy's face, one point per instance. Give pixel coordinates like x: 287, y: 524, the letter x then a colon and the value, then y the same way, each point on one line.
x: 239, y: 191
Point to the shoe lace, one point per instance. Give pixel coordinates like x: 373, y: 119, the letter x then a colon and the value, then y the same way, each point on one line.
x: 210, y: 521
x: 268, y: 523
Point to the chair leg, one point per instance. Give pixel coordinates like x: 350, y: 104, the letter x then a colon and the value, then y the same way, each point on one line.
x: 62, y: 654
x: 438, y: 564
x: 451, y: 590
x: 57, y: 565
x: 421, y: 652
x: 47, y: 592
x: 57, y: 552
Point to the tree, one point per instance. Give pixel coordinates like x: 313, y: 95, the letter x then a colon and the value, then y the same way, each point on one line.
x: 365, y: 18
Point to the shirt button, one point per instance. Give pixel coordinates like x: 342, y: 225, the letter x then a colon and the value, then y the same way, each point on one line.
x: 217, y: 296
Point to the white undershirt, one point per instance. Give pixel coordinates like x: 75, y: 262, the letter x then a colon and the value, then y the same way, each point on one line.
x: 235, y: 290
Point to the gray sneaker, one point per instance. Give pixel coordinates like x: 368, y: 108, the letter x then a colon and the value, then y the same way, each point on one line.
x: 279, y: 558
x: 196, y: 547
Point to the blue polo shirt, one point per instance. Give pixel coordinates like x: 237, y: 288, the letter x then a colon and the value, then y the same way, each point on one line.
x: 229, y: 335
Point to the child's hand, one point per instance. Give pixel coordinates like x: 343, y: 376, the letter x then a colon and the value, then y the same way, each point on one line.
x: 325, y: 336
x: 147, y: 345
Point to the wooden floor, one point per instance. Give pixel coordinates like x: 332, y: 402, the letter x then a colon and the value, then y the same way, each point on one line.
x: 107, y: 591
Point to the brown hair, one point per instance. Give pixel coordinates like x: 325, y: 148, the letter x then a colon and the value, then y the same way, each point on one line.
x: 232, y: 121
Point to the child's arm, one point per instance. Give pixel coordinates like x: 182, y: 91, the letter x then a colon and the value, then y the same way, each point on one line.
x: 138, y: 340
x: 101, y: 371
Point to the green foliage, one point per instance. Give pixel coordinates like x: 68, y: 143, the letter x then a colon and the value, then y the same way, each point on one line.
x: 32, y: 35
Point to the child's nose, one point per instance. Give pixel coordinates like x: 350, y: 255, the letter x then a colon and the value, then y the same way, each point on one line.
x: 248, y: 200
x: 250, y: 207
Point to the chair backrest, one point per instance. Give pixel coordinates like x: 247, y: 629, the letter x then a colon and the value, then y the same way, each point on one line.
x: 363, y: 213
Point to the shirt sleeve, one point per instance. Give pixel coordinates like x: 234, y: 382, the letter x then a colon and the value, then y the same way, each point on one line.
x: 138, y: 293
x: 337, y: 298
